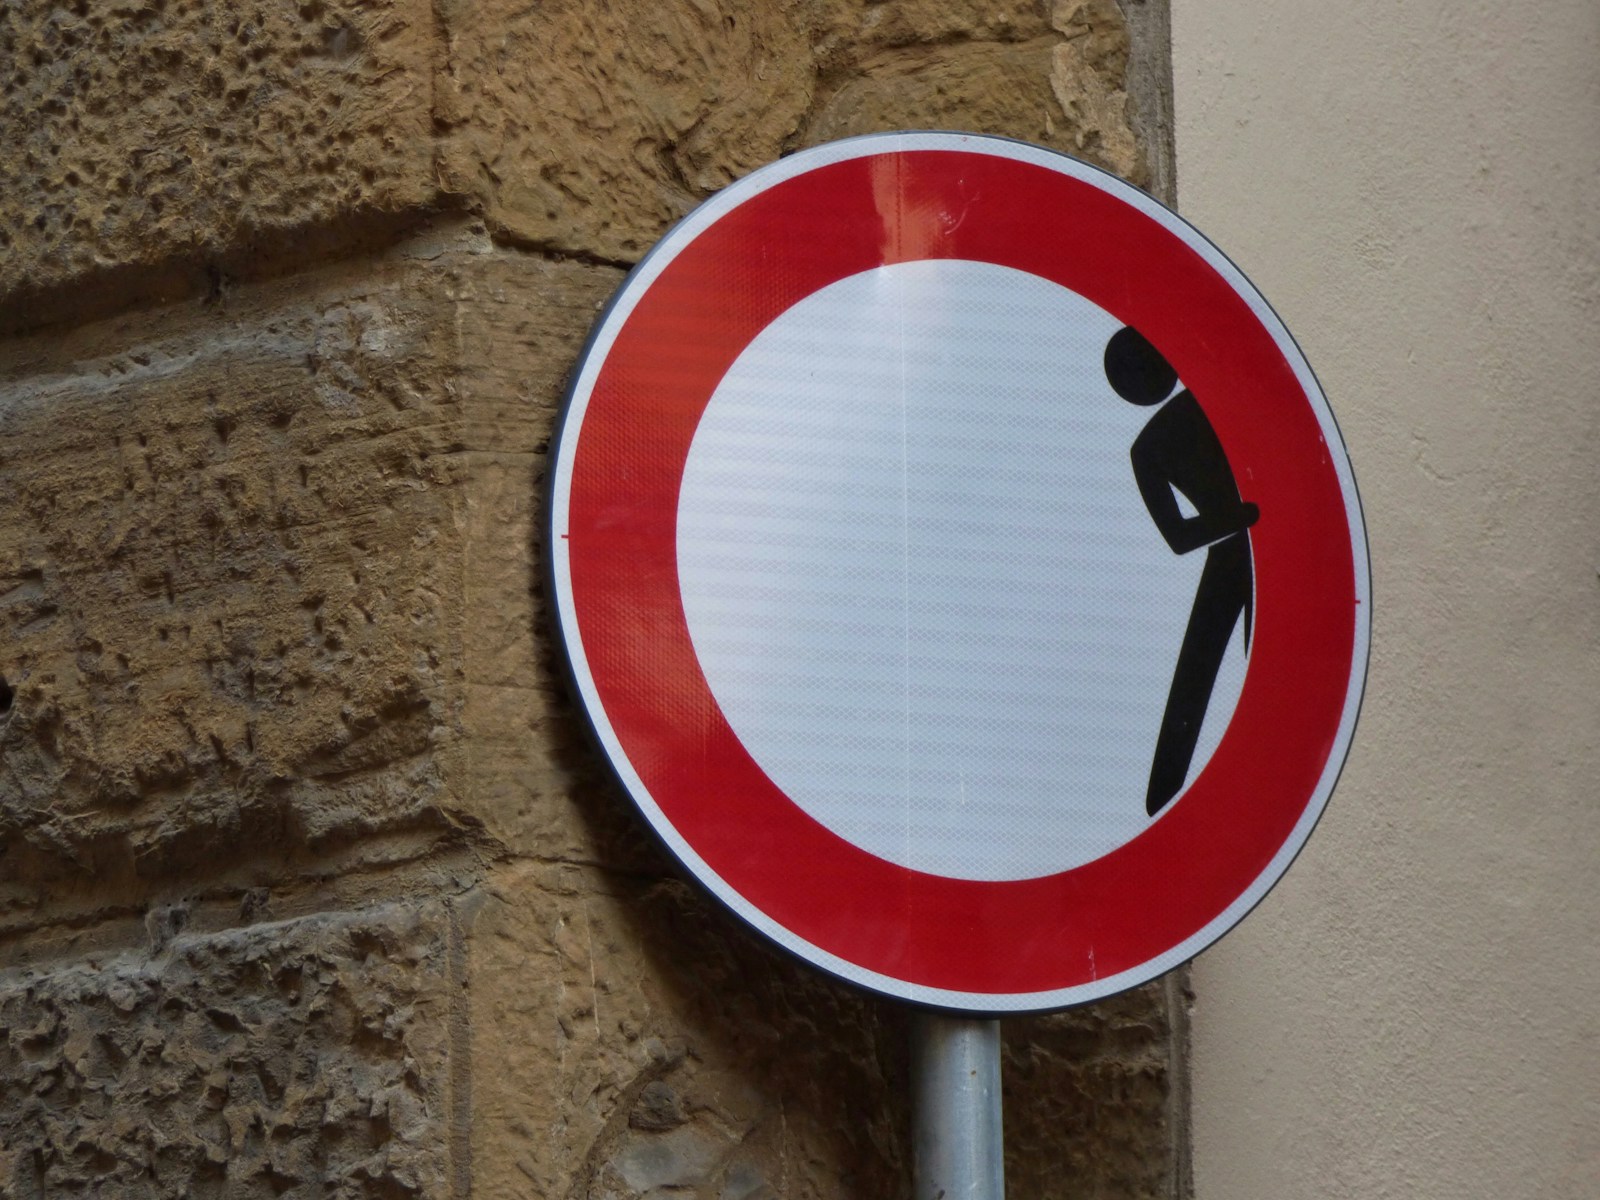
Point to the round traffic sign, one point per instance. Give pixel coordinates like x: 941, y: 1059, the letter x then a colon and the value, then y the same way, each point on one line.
x: 961, y: 570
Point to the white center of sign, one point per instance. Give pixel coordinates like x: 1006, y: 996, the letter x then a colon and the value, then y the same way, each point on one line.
x: 940, y: 617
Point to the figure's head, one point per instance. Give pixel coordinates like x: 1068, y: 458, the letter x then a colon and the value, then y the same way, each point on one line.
x: 1136, y: 370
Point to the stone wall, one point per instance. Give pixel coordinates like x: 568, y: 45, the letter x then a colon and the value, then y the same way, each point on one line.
x: 310, y: 883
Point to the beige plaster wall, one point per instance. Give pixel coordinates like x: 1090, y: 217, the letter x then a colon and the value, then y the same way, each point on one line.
x: 1413, y: 1012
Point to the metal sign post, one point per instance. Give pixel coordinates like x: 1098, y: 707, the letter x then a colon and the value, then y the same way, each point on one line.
x: 957, y: 1151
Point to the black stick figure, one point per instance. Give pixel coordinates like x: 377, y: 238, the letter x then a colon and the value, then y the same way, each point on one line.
x: 1178, y: 451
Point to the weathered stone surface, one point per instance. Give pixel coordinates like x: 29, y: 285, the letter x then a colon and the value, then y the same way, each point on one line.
x: 235, y: 592
x: 302, y: 1058
x: 139, y: 131
x: 659, y: 1046
x: 165, y: 139
x: 975, y: 86
x: 1089, y: 78
x: 234, y: 587
x: 230, y: 579
x: 1065, y: 88
x: 532, y: 772
x: 588, y: 129
x: 837, y: 24
x: 1094, y: 1099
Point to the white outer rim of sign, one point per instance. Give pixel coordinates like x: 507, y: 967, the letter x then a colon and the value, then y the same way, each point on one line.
x: 594, y: 357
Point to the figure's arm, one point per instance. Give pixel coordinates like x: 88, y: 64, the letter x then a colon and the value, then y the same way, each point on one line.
x: 1183, y: 533
x: 1156, y: 489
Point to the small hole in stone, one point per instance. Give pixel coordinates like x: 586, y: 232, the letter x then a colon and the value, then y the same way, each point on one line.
x: 6, y: 696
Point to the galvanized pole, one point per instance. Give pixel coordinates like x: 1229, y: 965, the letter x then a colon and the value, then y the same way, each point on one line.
x: 955, y: 1095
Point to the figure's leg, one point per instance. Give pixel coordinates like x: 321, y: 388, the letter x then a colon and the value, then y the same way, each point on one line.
x: 1219, y: 601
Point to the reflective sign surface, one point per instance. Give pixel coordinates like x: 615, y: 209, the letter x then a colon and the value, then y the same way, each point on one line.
x: 961, y: 570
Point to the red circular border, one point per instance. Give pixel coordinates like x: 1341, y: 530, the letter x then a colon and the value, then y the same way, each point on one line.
x: 1113, y: 914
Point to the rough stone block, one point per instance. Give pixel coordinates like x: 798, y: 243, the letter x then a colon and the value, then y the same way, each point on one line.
x: 533, y: 775
x: 661, y: 1048
x: 230, y: 579
x: 273, y: 584
x: 657, y: 1046
x: 302, y: 1058
x: 139, y: 132
x: 1065, y: 87
x: 589, y: 129
x: 1094, y: 1098
x: 155, y: 146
